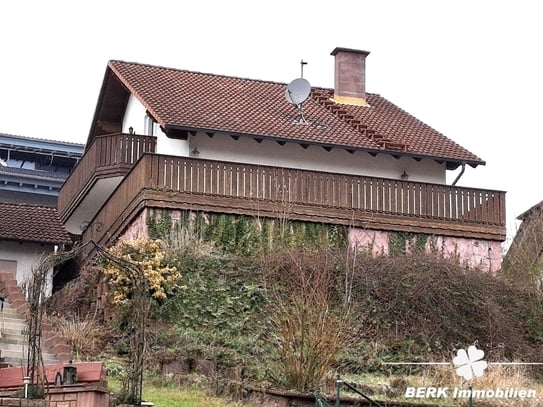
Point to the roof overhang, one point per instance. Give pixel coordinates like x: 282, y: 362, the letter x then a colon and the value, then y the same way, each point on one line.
x: 57, y: 148
x: 110, y: 108
x: 182, y: 132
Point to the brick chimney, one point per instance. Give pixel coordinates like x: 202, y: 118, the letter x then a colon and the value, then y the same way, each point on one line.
x: 350, y: 76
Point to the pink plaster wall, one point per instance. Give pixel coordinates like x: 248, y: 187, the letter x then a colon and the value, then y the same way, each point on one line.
x: 137, y: 228
x: 375, y: 241
x: 483, y: 254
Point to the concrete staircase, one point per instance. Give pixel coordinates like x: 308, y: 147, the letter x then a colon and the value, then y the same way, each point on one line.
x: 14, y: 339
x: 13, y: 336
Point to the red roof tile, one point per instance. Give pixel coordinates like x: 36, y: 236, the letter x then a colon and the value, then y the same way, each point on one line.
x: 32, y: 223
x: 193, y: 100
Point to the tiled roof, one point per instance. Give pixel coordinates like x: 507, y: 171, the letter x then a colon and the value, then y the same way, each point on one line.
x: 188, y: 100
x: 34, y: 173
x: 32, y: 223
x: 43, y: 146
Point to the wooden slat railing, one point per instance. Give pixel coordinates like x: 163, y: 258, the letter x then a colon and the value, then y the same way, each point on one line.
x: 283, y: 186
x: 109, y: 154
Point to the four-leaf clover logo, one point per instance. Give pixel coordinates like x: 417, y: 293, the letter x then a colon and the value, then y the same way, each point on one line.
x: 470, y: 363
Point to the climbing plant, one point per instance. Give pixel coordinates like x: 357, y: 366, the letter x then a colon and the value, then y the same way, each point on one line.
x: 245, y: 235
x: 159, y: 227
x: 401, y: 243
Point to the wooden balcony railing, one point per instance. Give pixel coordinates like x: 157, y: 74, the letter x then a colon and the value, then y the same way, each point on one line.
x: 182, y: 182
x: 109, y: 155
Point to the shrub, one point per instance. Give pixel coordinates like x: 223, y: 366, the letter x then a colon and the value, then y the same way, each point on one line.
x: 309, y: 320
x: 83, y: 335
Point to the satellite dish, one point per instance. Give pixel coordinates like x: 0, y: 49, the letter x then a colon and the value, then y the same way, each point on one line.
x: 298, y: 91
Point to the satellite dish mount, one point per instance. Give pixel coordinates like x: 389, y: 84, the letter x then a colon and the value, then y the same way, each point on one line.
x: 297, y: 92
x: 302, y: 63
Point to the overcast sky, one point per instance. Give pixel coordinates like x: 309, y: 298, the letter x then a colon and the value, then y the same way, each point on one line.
x: 470, y: 69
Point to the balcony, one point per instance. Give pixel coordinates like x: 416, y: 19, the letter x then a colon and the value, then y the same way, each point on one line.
x: 173, y: 182
x: 103, y: 166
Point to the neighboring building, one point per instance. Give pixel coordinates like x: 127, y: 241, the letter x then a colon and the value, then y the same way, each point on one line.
x: 27, y: 232
x: 524, y: 258
x: 177, y: 140
x: 33, y: 170
x: 31, y: 174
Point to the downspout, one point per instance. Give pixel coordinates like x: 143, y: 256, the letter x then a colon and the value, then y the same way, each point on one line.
x: 461, y: 173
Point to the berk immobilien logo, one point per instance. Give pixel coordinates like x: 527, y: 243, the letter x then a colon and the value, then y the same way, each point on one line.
x: 468, y: 364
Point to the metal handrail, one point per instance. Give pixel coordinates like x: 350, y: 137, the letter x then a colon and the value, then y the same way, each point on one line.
x: 321, y: 402
x: 1, y: 315
x: 339, y: 382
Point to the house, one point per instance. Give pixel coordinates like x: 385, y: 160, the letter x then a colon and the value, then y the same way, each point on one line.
x: 175, y: 140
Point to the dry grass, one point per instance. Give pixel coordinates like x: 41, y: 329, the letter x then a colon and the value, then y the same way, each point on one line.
x: 85, y: 336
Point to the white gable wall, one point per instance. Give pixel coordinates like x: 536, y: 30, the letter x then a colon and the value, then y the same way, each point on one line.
x: 170, y: 146
x: 136, y: 118
x: 26, y: 256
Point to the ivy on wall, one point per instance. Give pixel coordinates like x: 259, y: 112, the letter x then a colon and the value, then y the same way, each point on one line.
x: 244, y: 235
x: 247, y: 236
x: 159, y: 227
x: 400, y: 243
